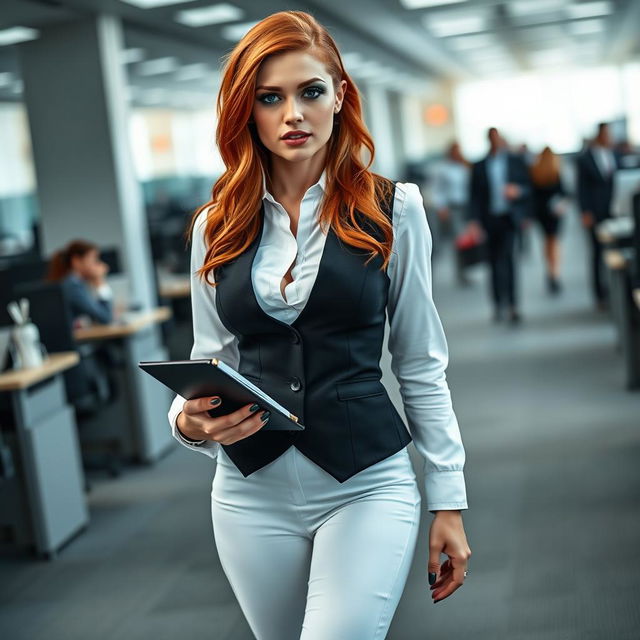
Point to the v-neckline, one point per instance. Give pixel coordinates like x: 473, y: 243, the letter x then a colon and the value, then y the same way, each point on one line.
x: 254, y: 250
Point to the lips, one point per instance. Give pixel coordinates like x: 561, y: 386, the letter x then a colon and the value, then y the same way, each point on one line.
x: 295, y: 135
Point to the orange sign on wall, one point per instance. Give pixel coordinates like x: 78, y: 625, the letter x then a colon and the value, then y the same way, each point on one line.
x: 436, y: 115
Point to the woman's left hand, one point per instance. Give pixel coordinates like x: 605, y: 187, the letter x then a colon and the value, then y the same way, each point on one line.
x: 447, y: 535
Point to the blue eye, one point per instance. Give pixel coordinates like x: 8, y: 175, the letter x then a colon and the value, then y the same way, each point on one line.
x: 317, y: 90
x: 264, y: 96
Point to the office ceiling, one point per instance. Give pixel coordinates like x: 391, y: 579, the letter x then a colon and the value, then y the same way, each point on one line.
x: 401, y: 43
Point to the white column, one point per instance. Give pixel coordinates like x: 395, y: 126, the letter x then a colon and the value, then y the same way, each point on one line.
x: 75, y: 94
x: 379, y: 114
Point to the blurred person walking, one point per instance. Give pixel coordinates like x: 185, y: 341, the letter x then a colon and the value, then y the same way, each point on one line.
x: 596, y: 168
x: 549, y: 205
x: 500, y: 191
x: 451, y: 198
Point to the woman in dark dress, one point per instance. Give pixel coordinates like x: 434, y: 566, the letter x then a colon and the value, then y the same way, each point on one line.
x: 549, y: 203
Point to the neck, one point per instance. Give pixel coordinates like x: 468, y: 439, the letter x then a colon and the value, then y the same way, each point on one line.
x: 289, y: 181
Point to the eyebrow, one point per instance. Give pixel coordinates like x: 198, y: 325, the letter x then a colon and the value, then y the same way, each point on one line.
x: 302, y: 84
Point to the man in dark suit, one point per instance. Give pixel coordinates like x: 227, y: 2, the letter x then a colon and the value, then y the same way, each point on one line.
x: 500, y: 191
x: 596, y: 168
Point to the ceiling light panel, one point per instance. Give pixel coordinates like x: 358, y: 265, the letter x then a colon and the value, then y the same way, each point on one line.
x: 153, y: 4
x: 529, y: 7
x: 132, y: 55
x: 157, y: 66
x: 213, y: 14
x: 235, y: 32
x: 585, y: 27
x: 194, y: 71
x: 589, y: 9
x: 459, y: 23
x: 422, y: 4
x: 14, y: 35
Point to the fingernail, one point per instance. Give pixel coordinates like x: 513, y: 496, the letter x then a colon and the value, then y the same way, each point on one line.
x: 435, y: 601
x: 432, y: 577
x: 265, y: 415
x: 254, y: 407
x: 215, y: 402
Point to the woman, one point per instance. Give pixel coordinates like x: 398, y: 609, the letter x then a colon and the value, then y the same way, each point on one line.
x: 317, y: 539
x: 82, y: 273
x: 549, y: 203
x: 451, y: 196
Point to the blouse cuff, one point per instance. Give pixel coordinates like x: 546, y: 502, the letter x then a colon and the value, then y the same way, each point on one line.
x: 445, y: 490
x: 208, y: 447
x: 104, y: 291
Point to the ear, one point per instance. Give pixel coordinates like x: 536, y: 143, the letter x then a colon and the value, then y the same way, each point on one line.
x: 342, y: 88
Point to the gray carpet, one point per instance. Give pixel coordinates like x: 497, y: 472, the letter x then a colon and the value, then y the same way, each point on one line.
x: 553, y: 479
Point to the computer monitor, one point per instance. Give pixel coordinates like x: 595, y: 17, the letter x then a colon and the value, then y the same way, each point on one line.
x: 111, y: 256
x: 50, y: 311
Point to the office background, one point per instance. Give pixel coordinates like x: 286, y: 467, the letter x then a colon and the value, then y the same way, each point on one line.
x: 107, y: 125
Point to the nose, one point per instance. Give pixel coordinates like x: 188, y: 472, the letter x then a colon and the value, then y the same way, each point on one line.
x: 293, y: 112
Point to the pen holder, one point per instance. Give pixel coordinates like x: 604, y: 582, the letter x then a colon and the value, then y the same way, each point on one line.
x: 27, y: 350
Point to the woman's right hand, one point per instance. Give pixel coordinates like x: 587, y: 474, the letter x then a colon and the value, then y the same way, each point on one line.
x: 195, y: 423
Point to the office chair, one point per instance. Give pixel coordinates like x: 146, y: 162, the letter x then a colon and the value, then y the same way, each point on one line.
x: 87, y: 384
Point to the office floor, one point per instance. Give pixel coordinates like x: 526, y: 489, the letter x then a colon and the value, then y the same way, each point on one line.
x: 553, y: 445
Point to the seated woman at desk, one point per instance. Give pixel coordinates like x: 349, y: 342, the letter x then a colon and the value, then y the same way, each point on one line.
x: 82, y: 273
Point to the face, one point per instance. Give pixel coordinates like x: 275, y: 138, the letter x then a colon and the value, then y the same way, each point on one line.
x: 89, y: 266
x: 294, y: 92
x: 494, y: 138
x: 604, y: 136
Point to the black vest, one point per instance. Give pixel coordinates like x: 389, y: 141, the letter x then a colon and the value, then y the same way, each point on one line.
x: 323, y: 367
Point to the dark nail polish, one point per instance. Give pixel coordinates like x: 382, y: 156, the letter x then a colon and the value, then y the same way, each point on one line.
x: 265, y: 415
x: 254, y: 407
x: 432, y: 578
x: 215, y: 402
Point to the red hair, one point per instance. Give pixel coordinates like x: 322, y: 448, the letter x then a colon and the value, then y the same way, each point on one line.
x: 233, y: 217
x: 60, y: 262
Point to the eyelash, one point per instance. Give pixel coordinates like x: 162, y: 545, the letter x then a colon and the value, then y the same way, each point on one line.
x: 319, y: 90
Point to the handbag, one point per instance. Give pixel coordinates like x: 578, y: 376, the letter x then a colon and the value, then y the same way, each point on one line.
x: 471, y: 247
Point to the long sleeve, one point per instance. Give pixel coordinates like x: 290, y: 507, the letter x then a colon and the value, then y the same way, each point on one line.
x: 211, y: 339
x: 98, y: 306
x: 439, y: 194
x: 419, y: 354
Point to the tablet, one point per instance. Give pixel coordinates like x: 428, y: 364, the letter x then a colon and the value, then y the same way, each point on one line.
x: 212, y: 377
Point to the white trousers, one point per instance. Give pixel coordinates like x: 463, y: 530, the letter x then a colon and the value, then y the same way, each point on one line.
x: 310, y: 558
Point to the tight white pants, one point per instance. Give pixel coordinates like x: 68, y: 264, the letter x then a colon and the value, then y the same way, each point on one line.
x: 310, y: 558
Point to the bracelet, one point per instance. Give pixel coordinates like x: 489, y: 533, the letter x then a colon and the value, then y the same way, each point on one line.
x: 188, y: 440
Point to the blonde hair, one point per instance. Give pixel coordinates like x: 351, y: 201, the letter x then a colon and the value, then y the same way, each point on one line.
x: 545, y: 171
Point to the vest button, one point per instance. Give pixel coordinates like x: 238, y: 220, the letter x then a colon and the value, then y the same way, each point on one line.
x: 295, y: 338
x: 295, y: 384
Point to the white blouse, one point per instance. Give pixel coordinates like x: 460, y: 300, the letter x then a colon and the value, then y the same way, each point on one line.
x: 417, y: 343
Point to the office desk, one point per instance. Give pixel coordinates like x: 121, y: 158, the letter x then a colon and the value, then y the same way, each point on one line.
x: 615, y: 232
x: 139, y: 420
x: 43, y: 501
x: 175, y: 287
x: 625, y: 312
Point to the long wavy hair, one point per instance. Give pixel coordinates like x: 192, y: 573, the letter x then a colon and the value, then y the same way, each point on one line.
x: 233, y: 216
x: 545, y: 171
